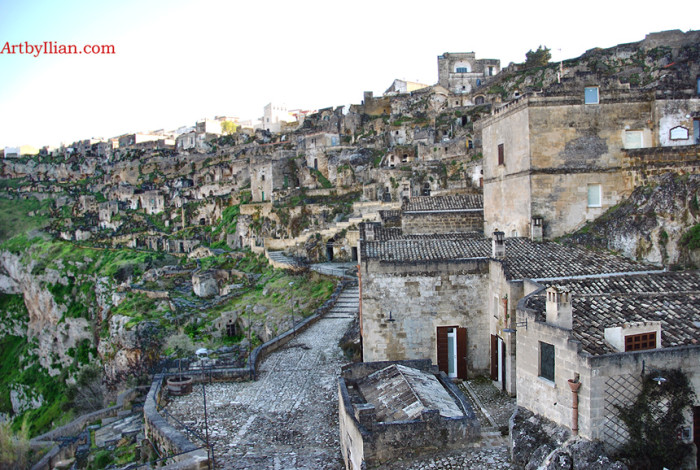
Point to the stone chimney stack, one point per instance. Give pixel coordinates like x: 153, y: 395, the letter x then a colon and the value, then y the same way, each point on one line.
x: 559, y: 310
x: 499, y: 245
x: 536, y: 229
x: 369, y: 232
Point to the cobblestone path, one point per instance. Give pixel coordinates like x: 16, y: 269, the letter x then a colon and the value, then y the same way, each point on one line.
x: 288, y: 418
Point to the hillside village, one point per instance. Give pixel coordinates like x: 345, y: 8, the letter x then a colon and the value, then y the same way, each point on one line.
x: 534, y: 226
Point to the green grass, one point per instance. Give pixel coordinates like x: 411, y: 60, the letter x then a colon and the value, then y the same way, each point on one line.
x: 691, y: 238
x: 15, y: 219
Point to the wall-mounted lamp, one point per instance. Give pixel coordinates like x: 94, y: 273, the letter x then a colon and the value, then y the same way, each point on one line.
x: 657, y: 377
x: 518, y: 324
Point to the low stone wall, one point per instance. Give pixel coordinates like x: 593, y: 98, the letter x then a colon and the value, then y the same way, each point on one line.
x: 169, y: 440
x: 75, y: 427
x: 366, y: 443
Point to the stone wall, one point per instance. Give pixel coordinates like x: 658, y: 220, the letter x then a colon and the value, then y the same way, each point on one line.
x: 421, y: 297
x: 366, y: 443
x: 415, y: 223
x: 599, y: 375
x: 553, y: 148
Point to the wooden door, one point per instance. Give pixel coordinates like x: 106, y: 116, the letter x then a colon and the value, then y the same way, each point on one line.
x: 494, y: 357
x: 462, y: 353
x: 442, y: 359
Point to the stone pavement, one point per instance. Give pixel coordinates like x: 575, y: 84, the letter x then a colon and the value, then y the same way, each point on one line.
x: 288, y: 418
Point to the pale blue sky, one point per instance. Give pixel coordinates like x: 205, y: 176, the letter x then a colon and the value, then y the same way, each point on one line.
x: 178, y: 61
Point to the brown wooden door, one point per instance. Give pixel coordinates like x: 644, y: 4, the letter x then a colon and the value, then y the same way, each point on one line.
x: 494, y: 357
x: 462, y: 353
x: 696, y: 426
x: 442, y: 359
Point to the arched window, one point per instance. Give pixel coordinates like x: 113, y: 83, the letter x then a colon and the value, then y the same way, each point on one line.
x: 479, y: 100
x: 478, y: 82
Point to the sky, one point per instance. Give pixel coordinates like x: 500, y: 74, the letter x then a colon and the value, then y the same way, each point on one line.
x: 177, y: 61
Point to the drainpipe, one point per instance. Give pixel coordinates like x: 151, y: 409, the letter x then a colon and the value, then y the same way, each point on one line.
x: 574, y: 384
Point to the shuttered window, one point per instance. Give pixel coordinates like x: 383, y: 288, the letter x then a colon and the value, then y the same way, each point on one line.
x: 547, y: 361
x: 501, y: 155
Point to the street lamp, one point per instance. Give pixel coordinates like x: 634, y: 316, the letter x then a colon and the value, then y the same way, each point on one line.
x: 294, y: 328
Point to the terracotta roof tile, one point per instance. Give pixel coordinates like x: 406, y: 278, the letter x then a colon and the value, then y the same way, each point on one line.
x: 671, y: 298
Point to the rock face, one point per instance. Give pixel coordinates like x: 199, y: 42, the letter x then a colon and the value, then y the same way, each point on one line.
x: 537, y: 443
x: 650, y: 224
x: 55, y: 333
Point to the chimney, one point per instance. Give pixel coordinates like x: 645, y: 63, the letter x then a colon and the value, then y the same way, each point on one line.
x: 536, y: 229
x: 499, y: 245
x: 369, y: 232
x: 559, y: 311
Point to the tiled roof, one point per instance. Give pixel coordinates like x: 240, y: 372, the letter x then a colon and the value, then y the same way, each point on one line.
x: 444, y: 203
x: 427, y: 249
x: 524, y: 259
x: 529, y: 260
x: 671, y: 298
x: 401, y: 393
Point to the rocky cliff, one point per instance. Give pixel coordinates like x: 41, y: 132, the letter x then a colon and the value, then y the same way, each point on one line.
x: 655, y: 224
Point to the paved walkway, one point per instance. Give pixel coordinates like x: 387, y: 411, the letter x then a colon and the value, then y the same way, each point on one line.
x: 288, y: 418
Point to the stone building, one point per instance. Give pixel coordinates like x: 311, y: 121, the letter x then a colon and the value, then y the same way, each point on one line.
x: 604, y: 334
x: 422, y: 297
x: 269, y: 173
x: 560, y: 156
x: 462, y: 72
x: 516, y: 261
x: 425, y: 215
x: 389, y: 410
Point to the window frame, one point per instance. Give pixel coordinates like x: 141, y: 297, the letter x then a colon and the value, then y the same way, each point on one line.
x: 600, y: 195
x: 635, y: 132
x: 640, y: 341
x: 461, y: 69
x: 501, y: 155
x: 550, y: 353
x: 597, y: 95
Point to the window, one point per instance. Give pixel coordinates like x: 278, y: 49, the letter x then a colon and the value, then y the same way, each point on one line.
x: 547, y: 361
x: 698, y: 86
x: 490, y: 71
x: 633, y: 139
x: 679, y: 133
x: 462, y: 70
x: 478, y: 82
x: 591, y: 95
x: 640, y: 342
x: 594, y: 195
x: 501, y: 155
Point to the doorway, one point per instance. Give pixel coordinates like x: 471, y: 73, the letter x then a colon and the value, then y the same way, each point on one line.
x: 452, y: 351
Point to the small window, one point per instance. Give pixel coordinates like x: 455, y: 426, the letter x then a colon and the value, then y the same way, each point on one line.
x: 501, y: 155
x: 478, y: 82
x: 591, y: 95
x: 633, y: 139
x: 547, y: 361
x: 679, y: 133
x: 490, y: 71
x: 698, y: 86
x: 594, y: 195
x: 262, y: 177
x: 640, y: 342
x: 461, y: 70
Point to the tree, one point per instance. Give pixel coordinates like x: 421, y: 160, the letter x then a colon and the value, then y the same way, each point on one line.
x: 538, y: 58
x: 228, y: 127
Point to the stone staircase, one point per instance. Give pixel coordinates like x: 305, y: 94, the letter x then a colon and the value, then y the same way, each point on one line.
x: 347, y: 305
x: 279, y: 260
